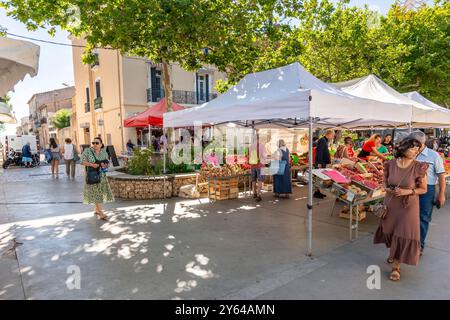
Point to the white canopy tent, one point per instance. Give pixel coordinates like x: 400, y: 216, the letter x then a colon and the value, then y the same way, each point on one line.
x: 17, y: 59
x: 291, y: 97
x: 371, y: 87
x: 414, y: 95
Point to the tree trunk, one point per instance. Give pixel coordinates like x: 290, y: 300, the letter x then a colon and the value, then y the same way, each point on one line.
x: 167, y: 86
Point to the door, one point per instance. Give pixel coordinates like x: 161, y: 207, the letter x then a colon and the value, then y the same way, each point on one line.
x: 202, y: 88
x: 87, y: 138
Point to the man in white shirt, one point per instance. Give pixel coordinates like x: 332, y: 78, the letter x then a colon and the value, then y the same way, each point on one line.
x: 70, y: 155
x: 435, y: 176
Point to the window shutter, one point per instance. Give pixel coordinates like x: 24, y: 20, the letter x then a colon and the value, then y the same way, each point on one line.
x: 207, y: 87
x: 196, y: 87
x: 97, y: 89
x: 155, y: 90
x: 87, y: 95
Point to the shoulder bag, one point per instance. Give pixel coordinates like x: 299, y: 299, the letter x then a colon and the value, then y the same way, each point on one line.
x: 93, y: 174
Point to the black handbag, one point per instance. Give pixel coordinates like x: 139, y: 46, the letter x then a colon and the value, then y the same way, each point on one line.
x: 93, y: 174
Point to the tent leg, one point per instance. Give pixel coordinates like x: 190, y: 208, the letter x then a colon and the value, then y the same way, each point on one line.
x: 310, y: 189
x: 164, y: 166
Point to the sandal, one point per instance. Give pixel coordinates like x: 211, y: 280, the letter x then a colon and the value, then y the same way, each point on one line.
x: 395, y: 274
x: 101, y: 215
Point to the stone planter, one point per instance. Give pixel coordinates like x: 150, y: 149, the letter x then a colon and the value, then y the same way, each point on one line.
x: 127, y: 186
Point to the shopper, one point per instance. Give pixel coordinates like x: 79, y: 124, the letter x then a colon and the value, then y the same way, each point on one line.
x: 130, y: 146
x: 282, y: 185
x: 435, y: 175
x: 56, y: 157
x: 96, y: 158
x: 257, y: 158
x: 70, y: 155
x: 382, y: 149
x: 345, y: 151
x: 323, y: 157
x: 26, y: 155
x: 388, y: 142
x: 405, y: 179
x: 370, y: 148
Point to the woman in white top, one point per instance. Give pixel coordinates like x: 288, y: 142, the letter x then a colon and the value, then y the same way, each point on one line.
x: 56, y: 157
x: 71, y: 157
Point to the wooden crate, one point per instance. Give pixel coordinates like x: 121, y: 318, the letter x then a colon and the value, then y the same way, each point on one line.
x: 234, y: 193
x: 220, y: 195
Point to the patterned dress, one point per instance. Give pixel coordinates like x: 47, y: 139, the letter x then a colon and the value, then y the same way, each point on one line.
x: 100, y: 192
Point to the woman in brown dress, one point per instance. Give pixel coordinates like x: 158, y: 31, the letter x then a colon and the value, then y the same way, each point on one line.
x: 405, y: 180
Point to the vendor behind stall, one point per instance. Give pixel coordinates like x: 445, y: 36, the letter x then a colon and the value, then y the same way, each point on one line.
x: 346, y: 150
x: 370, y: 148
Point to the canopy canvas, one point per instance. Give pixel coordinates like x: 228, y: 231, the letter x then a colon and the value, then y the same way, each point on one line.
x: 17, y: 59
x: 153, y: 116
x: 414, y: 95
x: 289, y: 96
x: 371, y: 87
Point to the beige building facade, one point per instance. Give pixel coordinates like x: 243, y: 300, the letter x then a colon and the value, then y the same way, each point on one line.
x: 117, y: 87
x: 42, y: 107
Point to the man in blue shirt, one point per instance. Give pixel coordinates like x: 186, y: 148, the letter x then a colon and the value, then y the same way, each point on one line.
x: 435, y: 175
x: 26, y: 155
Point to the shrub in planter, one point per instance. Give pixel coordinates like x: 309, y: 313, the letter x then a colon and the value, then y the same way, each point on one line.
x: 140, y: 163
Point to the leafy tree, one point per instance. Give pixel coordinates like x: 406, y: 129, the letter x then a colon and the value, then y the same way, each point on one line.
x: 163, y: 31
x: 416, y: 52
x: 61, y: 118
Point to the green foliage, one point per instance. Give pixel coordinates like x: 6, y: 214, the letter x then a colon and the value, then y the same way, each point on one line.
x: 408, y: 48
x: 61, y: 118
x: 140, y: 164
x: 416, y: 56
x: 179, y: 168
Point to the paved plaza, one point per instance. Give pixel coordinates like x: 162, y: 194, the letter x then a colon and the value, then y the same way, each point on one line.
x: 193, y: 249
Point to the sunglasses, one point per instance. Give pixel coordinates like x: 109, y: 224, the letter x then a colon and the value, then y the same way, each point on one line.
x: 95, y: 142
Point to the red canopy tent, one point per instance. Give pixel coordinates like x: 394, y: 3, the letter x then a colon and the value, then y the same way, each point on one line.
x: 153, y: 116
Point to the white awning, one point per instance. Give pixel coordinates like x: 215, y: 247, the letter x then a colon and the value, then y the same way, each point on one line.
x: 17, y: 59
x: 371, y: 87
x: 289, y: 96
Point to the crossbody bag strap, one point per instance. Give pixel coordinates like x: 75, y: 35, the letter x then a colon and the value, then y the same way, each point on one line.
x: 94, y: 158
x: 403, y: 178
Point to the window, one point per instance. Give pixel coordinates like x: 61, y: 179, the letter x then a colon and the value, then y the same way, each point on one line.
x: 96, y: 60
x: 98, y: 92
x: 87, y: 105
x: 202, y: 88
x: 156, y: 91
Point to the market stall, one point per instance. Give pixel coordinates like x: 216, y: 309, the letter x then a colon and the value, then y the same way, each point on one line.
x: 291, y: 97
x: 371, y: 87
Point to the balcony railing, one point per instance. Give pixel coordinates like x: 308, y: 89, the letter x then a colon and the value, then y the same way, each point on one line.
x: 183, y: 97
x: 87, y: 107
x: 98, y: 103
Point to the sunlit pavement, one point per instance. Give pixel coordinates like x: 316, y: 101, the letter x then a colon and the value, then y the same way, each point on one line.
x: 193, y: 249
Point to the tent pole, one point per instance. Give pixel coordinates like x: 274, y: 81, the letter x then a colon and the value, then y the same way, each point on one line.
x: 410, y: 127
x: 310, y: 188
x: 164, y: 164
